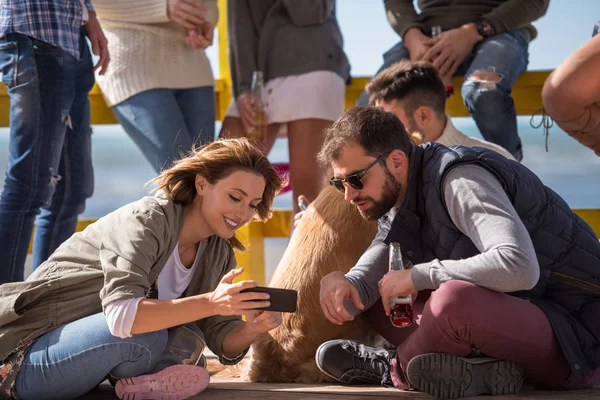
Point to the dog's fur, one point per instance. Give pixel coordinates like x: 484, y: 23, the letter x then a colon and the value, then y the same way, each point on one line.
x: 331, y: 236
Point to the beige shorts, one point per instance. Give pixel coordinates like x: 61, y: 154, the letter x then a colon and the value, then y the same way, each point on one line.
x: 318, y: 95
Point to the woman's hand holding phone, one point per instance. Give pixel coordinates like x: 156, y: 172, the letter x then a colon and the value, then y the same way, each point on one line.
x: 226, y: 299
x: 259, y: 321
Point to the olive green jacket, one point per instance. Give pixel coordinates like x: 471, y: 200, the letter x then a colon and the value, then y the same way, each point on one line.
x: 116, y: 258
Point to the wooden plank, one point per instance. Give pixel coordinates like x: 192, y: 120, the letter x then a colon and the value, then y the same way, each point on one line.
x: 223, y: 84
x: 591, y: 216
x: 227, y: 389
x: 526, y: 93
x: 253, y: 259
x: 281, y: 222
x: 331, y: 390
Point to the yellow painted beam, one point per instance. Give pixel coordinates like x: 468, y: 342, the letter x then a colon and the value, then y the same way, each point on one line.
x: 101, y: 113
x: 223, y: 90
x: 253, y: 259
x: 280, y: 224
x: 253, y: 235
x: 526, y: 93
x: 591, y: 216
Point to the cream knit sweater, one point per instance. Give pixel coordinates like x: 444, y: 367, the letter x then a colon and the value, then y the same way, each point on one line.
x: 147, y: 50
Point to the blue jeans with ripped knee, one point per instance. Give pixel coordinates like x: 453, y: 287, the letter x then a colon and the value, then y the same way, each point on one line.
x: 490, y: 103
x: 49, y: 167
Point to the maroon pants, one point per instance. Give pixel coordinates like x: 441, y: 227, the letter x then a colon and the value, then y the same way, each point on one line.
x: 460, y: 318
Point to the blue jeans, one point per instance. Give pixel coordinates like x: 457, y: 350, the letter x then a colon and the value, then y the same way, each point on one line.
x: 166, y: 123
x: 493, y: 110
x: 73, y: 359
x: 49, y: 162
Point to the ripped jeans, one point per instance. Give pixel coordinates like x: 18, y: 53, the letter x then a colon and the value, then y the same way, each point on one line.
x: 489, y: 102
x: 49, y: 166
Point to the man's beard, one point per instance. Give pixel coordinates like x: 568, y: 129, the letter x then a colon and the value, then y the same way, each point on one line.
x: 391, y: 193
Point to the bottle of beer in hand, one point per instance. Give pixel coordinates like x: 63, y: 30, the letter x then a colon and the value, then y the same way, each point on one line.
x: 401, y: 309
x: 258, y: 132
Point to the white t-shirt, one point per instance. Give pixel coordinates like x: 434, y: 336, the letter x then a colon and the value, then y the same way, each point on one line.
x: 172, y: 282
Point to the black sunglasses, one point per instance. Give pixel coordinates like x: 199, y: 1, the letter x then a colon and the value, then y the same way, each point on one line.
x: 355, y: 180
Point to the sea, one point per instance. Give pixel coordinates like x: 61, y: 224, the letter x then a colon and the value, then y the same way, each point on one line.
x: 121, y: 172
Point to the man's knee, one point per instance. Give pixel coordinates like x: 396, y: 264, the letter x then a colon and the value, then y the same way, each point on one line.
x: 483, y: 86
x: 396, y: 54
x: 455, y: 299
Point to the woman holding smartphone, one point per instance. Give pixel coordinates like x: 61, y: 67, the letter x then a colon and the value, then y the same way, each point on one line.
x: 108, y: 301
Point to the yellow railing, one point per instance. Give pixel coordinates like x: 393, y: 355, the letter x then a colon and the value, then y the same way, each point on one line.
x: 527, y: 100
x: 279, y: 226
x: 254, y: 235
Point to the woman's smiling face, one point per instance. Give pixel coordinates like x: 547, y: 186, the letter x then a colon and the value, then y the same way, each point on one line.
x: 231, y: 202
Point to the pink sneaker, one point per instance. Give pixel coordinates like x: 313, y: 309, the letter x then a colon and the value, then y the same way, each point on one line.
x: 177, y: 382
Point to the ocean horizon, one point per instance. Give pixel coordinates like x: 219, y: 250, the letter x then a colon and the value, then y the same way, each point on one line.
x: 121, y: 172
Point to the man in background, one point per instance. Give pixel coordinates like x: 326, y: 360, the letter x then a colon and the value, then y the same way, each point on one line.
x: 46, y: 65
x: 485, y: 40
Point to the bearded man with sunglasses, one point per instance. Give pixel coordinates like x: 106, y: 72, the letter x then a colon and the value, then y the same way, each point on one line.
x: 508, y: 277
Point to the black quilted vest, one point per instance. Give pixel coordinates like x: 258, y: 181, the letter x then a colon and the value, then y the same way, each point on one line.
x: 567, y: 249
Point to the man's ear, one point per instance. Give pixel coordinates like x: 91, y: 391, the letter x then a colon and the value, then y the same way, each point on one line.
x: 399, y: 161
x: 200, y: 184
x: 423, y: 116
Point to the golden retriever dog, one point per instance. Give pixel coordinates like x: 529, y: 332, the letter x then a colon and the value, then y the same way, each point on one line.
x: 331, y: 236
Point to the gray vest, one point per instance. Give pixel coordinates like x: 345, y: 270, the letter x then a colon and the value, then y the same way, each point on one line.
x: 566, y: 247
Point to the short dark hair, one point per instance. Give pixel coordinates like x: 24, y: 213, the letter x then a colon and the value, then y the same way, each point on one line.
x: 373, y: 128
x: 416, y: 84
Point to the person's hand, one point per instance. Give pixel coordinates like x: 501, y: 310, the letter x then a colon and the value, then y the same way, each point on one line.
x: 226, y: 299
x: 201, y: 38
x: 417, y: 43
x: 395, y: 283
x: 335, y: 288
x: 187, y: 13
x: 94, y: 32
x: 259, y: 321
x: 450, y: 49
x: 247, y: 114
x: 297, y: 217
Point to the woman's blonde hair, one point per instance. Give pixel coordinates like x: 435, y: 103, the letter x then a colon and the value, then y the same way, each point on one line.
x: 216, y: 161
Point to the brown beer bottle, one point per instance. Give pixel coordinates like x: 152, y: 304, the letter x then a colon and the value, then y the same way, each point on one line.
x: 258, y: 133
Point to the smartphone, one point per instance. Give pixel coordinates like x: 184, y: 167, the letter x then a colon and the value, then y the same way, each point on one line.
x: 282, y: 300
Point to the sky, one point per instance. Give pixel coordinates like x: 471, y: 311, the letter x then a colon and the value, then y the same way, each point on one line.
x: 367, y: 35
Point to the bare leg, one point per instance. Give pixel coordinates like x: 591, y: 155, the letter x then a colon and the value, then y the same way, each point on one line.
x: 232, y: 128
x: 305, y: 139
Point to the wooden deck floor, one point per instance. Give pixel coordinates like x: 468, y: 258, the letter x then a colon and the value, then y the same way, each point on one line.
x: 229, y: 389
x: 225, y: 387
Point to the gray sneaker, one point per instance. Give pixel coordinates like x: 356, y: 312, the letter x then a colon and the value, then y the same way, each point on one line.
x: 446, y: 376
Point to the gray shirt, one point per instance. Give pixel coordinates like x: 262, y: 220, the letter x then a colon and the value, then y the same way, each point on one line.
x: 481, y: 209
